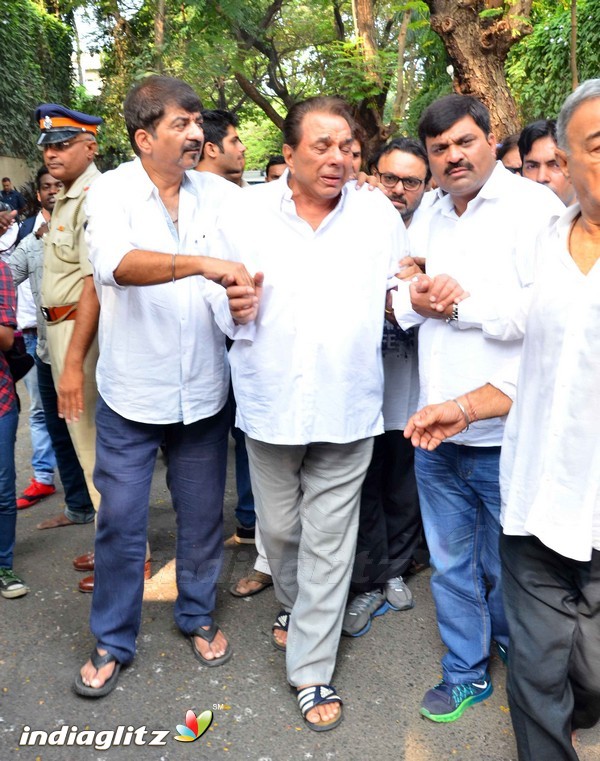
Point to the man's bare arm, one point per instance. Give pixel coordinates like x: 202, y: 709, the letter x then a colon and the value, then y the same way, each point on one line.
x: 70, y: 385
x: 139, y: 267
x: 7, y: 337
x: 435, y: 423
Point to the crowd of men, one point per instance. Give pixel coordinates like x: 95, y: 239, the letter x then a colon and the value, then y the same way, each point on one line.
x: 462, y: 289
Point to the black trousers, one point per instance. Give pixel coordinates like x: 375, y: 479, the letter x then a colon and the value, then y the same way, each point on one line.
x: 552, y: 605
x: 390, y: 529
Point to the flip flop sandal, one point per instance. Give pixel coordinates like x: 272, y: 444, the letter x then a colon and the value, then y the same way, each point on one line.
x: 208, y: 635
x: 261, y: 578
x: 319, y: 694
x: 282, y: 624
x: 98, y: 661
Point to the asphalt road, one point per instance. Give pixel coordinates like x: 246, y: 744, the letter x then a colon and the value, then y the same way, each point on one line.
x: 44, y: 639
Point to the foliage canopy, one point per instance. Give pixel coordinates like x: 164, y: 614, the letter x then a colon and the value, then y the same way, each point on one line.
x: 36, y: 68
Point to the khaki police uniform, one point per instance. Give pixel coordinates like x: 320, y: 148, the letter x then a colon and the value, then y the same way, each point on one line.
x: 66, y: 265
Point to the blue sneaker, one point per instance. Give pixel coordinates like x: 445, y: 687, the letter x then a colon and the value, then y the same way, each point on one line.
x: 502, y: 653
x: 447, y: 702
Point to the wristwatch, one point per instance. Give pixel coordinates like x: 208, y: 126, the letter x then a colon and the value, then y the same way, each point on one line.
x: 454, y: 316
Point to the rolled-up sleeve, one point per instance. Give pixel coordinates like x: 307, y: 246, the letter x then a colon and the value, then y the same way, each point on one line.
x: 108, y: 233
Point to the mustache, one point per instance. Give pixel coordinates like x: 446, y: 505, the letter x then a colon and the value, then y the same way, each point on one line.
x: 462, y: 164
x: 400, y: 199
x: 193, y: 145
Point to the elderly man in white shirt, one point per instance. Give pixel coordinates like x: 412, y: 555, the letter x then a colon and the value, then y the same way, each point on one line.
x: 309, y: 383
x: 550, y: 468
x: 482, y: 233
x: 162, y: 374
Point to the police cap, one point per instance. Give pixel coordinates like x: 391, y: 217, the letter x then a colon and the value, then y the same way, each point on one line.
x: 58, y: 123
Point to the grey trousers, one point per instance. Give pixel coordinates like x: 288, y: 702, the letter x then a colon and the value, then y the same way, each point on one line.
x: 307, y: 502
x: 553, y: 608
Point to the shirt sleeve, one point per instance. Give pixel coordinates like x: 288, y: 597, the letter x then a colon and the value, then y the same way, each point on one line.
x: 502, y: 314
x: 18, y: 262
x: 8, y: 298
x: 108, y: 236
x: 405, y: 315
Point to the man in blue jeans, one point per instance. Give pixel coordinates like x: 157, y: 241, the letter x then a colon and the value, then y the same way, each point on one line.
x: 482, y: 233
x: 43, y: 460
x: 10, y: 584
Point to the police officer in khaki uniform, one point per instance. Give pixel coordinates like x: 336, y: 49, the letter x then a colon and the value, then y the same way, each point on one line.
x: 70, y: 304
x: 69, y: 301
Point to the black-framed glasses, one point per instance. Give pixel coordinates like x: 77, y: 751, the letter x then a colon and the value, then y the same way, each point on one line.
x: 389, y: 180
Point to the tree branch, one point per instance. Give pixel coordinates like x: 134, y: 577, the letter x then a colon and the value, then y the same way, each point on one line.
x: 259, y: 99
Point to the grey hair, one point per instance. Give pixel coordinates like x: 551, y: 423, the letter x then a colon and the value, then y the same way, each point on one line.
x: 588, y: 90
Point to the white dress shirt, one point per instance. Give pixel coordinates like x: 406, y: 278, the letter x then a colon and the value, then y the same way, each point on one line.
x: 550, y: 464
x: 26, y: 308
x: 313, y: 369
x: 400, y: 349
x: 162, y: 354
x: 489, y: 250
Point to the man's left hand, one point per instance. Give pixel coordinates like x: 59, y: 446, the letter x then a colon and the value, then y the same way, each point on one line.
x: 70, y: 394
x: 245, y: 300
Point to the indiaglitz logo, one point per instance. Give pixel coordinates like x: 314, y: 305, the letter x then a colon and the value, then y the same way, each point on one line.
x: 195, y: 726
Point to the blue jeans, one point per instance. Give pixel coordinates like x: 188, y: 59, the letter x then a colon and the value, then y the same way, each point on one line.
x: 8, y: 497
x: 460, y: 504
x: 78, y: 505
x: 125, y: 458
x: 43, y: 460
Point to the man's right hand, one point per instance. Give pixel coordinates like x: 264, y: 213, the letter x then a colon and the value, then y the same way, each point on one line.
x: 225, y: 272
x: 434, y: 297
x: 433, y: 424
x: 6, y: 220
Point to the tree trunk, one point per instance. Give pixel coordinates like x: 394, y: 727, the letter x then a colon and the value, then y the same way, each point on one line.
x: 159, y: 35
x: 478, y: 46
x: 573, y: 52
x: 364, y: 26
x: 401, y: 98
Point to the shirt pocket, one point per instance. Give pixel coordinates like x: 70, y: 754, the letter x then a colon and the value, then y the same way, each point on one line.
x: 62, y: 242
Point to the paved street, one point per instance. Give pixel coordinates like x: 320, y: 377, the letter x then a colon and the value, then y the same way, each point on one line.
x: 382, y: 676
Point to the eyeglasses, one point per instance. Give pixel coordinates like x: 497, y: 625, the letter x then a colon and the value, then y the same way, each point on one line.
x: 65, y: 144
x: 391, y: 180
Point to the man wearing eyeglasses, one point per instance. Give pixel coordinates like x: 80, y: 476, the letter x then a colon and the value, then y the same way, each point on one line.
x: 390, y: 529
x: 404, y: 175
x: 69, y: 302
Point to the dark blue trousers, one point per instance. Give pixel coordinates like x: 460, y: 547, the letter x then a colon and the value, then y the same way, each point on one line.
x: 79, y: 507
x: 125, y: 457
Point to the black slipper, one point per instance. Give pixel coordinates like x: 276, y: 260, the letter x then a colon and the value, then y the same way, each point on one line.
x: 208, y: 635
x: 282, y: 624
x: 98, y: 661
